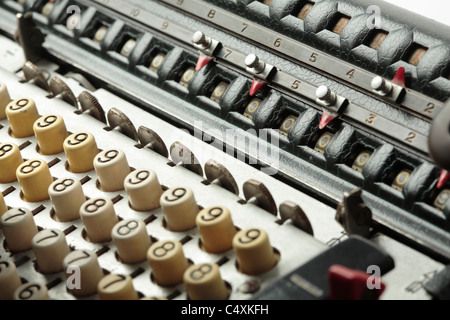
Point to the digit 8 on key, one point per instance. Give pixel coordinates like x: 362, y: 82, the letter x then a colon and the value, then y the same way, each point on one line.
x: 168, y: 262
x: 10, y: 160
x: 34, y: 179
x: 203, y: 282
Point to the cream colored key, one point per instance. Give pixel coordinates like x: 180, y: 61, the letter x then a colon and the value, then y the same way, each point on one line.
x: 3, y: 207
x: 143, y: 189
x: 216, y: 229
x: 180, y: 209
x: 5, y: 99
x: 9, y: 280
x: 112, y: 168
x: 253, y: 250
x: 22, y: 114
x: 10, y: 160
x: 19, y: 228
x: 116, y: 287
x: 50, y: 248
x: 50, y: 132
x: 31, y: 291
x: 203, y: 282
x: 99, y: 218
x: 80, y: 149
x: 67, y: 197
x: 168, y: 262
x: 34, y: 178
x: 83, y: 272
x: 132, y: 240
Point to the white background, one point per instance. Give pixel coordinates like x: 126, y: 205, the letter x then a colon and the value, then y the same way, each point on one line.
x: 438, y: 10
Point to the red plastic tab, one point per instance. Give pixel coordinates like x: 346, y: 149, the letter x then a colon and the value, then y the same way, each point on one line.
x: 349, y: 284
x: 326, y: 119
x: 202, y: 61
x: 256, y: 85
x: 399, y: 78
x: 443, y: 178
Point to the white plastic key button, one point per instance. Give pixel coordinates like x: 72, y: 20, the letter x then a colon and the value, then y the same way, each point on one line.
x: 143, y: 189
x: 112, y: 168
x: 83, y: 272
x: 50, y: 248
x: 117, y: 287
x: 19, y: 228
x: 99, y: 218
x: 180, y: 209
x: 132, y: 240
x: 67, y: 197
x: 9, y: 280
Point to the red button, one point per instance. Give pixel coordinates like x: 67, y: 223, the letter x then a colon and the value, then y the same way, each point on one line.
x: 349, y: 284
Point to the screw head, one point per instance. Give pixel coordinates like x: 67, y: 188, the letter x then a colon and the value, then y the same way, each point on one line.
x: 323, y: 93
x: 378, y: 83
x: 252, y: 61
x: 199, y: 38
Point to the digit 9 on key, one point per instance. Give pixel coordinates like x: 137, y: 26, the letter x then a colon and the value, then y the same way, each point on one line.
x: 180, y: 209
x: 22, y: 114
x: 253, y: 250
x: 50, y: 132
x: 80, y: 149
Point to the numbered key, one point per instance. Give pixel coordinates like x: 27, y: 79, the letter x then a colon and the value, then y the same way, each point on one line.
x: 216, y: 229
x: 9, y: 280
x: 143, y: 189
x: 50, y: 248
x: 18, y: 228
x: 10, y: 160
x: 204, y: 282
x: 132, y: 240
x: 99, y: 218
x: 50, y: 132
x: 117, y: 287
x: 22, y: 114
x: 112, y: 168
x: 80, y: 149
x: 34, y: 178
x: 32, y: 291
x: 5, y: 99
x: 67, y: 197
x: 83, y: 272
x: 168, y: 262
x: 254, y: 253
x: 180, y: 209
